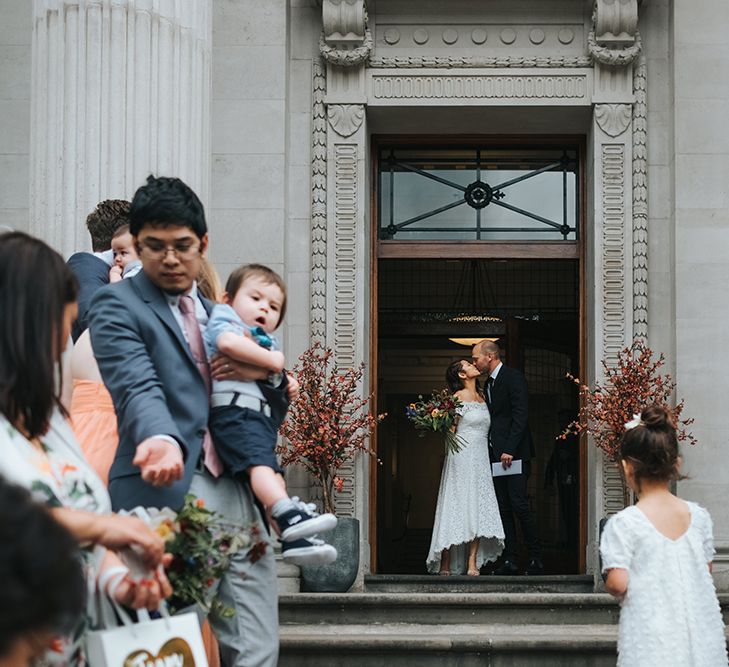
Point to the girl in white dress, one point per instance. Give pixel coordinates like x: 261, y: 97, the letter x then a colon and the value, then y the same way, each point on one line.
x: 657, y: 555
x: 467, y: 532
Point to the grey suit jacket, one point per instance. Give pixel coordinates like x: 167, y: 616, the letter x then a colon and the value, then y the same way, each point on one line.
x: 156, y: 387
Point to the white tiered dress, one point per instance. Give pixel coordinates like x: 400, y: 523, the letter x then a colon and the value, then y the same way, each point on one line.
x: 670, y: 615
x: 467, y: 506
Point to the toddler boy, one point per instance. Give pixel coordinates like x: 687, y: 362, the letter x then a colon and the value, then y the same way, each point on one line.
x: 245, y: 416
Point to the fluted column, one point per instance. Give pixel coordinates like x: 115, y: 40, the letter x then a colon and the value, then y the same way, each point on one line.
x: 120, y: 89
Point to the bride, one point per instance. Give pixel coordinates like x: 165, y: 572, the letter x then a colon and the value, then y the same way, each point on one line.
x: 467, y: 529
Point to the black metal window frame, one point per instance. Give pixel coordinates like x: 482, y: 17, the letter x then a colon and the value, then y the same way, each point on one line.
x: 479, y: 194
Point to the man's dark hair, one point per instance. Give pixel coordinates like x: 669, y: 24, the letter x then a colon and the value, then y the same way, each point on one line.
x: 104, y: 220
x: 167, y: 201
x: 42, y: 586
x: 35, y: 286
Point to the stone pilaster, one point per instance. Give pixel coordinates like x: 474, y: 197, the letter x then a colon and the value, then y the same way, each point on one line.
x: 614, y: 44
x: 120, y: 89
x: 339, y: 240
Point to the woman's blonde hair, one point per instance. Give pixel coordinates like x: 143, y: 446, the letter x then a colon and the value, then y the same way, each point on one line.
x: 208, y: 281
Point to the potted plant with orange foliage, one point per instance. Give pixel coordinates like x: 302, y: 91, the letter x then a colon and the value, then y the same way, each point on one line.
x: 630, y: 385
x: 327, y: 426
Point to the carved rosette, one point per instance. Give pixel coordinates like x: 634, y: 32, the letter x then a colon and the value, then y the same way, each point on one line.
x: 345, y: 119
x: 613, y: 119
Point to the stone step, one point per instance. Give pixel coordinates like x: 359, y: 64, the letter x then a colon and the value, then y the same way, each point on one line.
x: 416, y: 583
x: 447, y: 608
x: 464, y: 645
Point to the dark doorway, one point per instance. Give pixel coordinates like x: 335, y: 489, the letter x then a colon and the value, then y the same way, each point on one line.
x: 428, y: 310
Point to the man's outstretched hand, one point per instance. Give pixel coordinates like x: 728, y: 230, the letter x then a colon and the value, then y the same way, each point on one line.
x: 160, y: 462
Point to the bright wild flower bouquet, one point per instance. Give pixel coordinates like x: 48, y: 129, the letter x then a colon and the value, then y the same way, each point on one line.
x: 437, y: 414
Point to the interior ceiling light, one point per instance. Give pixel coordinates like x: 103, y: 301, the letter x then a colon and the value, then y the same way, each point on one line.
x: 470, y: 342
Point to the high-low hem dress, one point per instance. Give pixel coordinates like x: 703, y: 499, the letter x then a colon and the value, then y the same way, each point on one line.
x: 467, y: 507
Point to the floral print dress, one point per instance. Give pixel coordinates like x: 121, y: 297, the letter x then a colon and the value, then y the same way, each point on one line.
x: 59, y: 476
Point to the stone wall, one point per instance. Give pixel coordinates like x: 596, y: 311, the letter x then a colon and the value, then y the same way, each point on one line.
x: 15, y: 68
x: 699, y: 158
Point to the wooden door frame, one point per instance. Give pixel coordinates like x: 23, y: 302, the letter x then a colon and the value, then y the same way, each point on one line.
x: 386, y: 249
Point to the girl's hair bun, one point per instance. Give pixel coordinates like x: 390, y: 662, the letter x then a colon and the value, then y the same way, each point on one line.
x: 657, y: 416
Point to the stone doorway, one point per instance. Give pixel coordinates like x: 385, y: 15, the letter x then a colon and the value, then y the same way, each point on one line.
x: 533, y: 308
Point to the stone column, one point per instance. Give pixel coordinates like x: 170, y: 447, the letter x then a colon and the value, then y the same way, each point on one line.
x: 120, y: 89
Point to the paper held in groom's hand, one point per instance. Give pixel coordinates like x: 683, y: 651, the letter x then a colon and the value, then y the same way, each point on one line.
x: 498, y: 470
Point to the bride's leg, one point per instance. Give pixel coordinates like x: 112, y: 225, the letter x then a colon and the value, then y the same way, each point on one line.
x: 445, y: 562
x: 472, y: 551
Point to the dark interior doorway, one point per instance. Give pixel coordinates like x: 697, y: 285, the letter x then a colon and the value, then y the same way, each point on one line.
x: 428, y: 310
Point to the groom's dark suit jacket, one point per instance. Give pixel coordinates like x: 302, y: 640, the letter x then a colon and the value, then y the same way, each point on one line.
x: 509, y: 409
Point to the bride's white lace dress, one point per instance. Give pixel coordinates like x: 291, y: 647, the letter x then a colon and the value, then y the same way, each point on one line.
x: 467, y: 506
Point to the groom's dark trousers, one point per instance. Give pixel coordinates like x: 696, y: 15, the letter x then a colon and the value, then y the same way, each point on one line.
x: 508, y: 401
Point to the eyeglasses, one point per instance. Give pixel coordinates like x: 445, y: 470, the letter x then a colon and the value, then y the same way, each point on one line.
x: 158, y: 251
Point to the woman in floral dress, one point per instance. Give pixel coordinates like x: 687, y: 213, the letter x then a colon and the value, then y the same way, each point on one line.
x: 39, y: 450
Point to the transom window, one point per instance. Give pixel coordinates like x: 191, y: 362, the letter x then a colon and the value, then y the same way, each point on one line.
x: 478, y: 192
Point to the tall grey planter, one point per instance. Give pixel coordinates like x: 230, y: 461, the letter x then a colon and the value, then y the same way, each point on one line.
x: 338, y: 576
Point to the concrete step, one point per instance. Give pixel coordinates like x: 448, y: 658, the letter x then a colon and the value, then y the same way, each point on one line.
x: 465, y: 645
x: 447, y: 608
x: 416, y: 583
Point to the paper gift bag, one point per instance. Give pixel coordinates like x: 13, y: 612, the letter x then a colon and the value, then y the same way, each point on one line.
x: 171, y: 641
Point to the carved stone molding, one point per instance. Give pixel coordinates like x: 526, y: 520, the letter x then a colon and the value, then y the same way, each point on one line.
x: 341, y: 42
x: 614, y: 48
x: 613, y: 249
x: 346, y: 213
x: 427, y: 34
x: 612, y: 204
x: 616, y: 22
x: 343, y: 21
x: 487, y: 86
x: 318, y: 207
x: 345, y: 119
x: 613, y: 119
x: 640, y: 204
x: 449, y: 62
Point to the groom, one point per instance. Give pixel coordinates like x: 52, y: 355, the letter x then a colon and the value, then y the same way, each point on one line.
x: 509, y: 439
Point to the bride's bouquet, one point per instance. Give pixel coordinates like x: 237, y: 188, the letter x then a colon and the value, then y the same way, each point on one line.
x: 437, y: 414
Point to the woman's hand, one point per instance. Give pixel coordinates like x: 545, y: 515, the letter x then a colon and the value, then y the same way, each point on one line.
x: 147, y: 593
x: 118, y: 532
x: 114, y: 532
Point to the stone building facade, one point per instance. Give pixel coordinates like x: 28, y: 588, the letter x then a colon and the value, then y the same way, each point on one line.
x: 273, y: 112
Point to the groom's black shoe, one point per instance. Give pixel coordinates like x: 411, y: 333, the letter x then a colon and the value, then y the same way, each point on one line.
x: 508, y: 569
x: 535, y: 568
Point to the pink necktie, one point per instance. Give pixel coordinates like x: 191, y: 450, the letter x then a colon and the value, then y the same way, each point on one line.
x: 195, y: 341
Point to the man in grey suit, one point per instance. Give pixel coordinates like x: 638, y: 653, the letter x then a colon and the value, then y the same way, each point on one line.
x: 147, y: 338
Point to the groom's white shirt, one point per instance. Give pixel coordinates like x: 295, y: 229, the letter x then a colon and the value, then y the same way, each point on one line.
x: 496, y: 371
